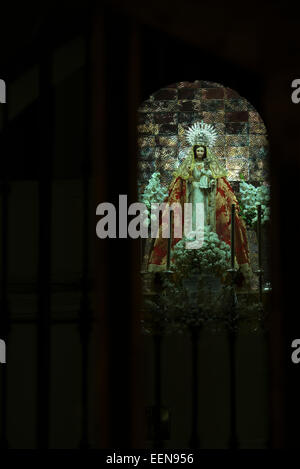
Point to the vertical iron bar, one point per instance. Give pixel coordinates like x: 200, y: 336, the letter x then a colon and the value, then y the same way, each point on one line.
x: 85, y: 313
x: 121, y: 255
x: 194, y: 439
x: 233, y: 440
x: 232, y: 235
x: 44, y: 248
x: 158, y: 442
x: 170, y: 239
x: 259, y: 251
x: 101, y: 415
x: 137, y: 424
x: 232, y: 324
x: 4, y: 304
x: 142, y: 253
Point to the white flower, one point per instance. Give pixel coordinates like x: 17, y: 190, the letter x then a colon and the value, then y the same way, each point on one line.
x: 251, y: 197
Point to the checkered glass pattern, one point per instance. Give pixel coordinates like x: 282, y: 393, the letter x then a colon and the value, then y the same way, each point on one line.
x: 241, y: 146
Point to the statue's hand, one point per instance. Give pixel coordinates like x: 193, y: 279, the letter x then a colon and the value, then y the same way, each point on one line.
x: 212, y: 183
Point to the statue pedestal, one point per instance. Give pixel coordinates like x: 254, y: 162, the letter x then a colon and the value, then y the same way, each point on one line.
x: 202, y: 285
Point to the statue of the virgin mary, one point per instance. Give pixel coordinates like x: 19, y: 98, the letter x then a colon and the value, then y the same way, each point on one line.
x: 201, y: 180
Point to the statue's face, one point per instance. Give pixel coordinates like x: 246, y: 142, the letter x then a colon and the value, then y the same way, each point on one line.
x: 200, y: 152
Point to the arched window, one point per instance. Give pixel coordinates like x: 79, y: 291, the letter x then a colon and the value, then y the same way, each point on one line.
x: 241, y: 145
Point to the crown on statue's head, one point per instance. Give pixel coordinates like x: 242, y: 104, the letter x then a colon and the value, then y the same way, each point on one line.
x: 201, y: 134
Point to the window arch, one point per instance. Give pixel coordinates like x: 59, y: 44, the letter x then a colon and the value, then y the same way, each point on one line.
x: 242, y: 143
